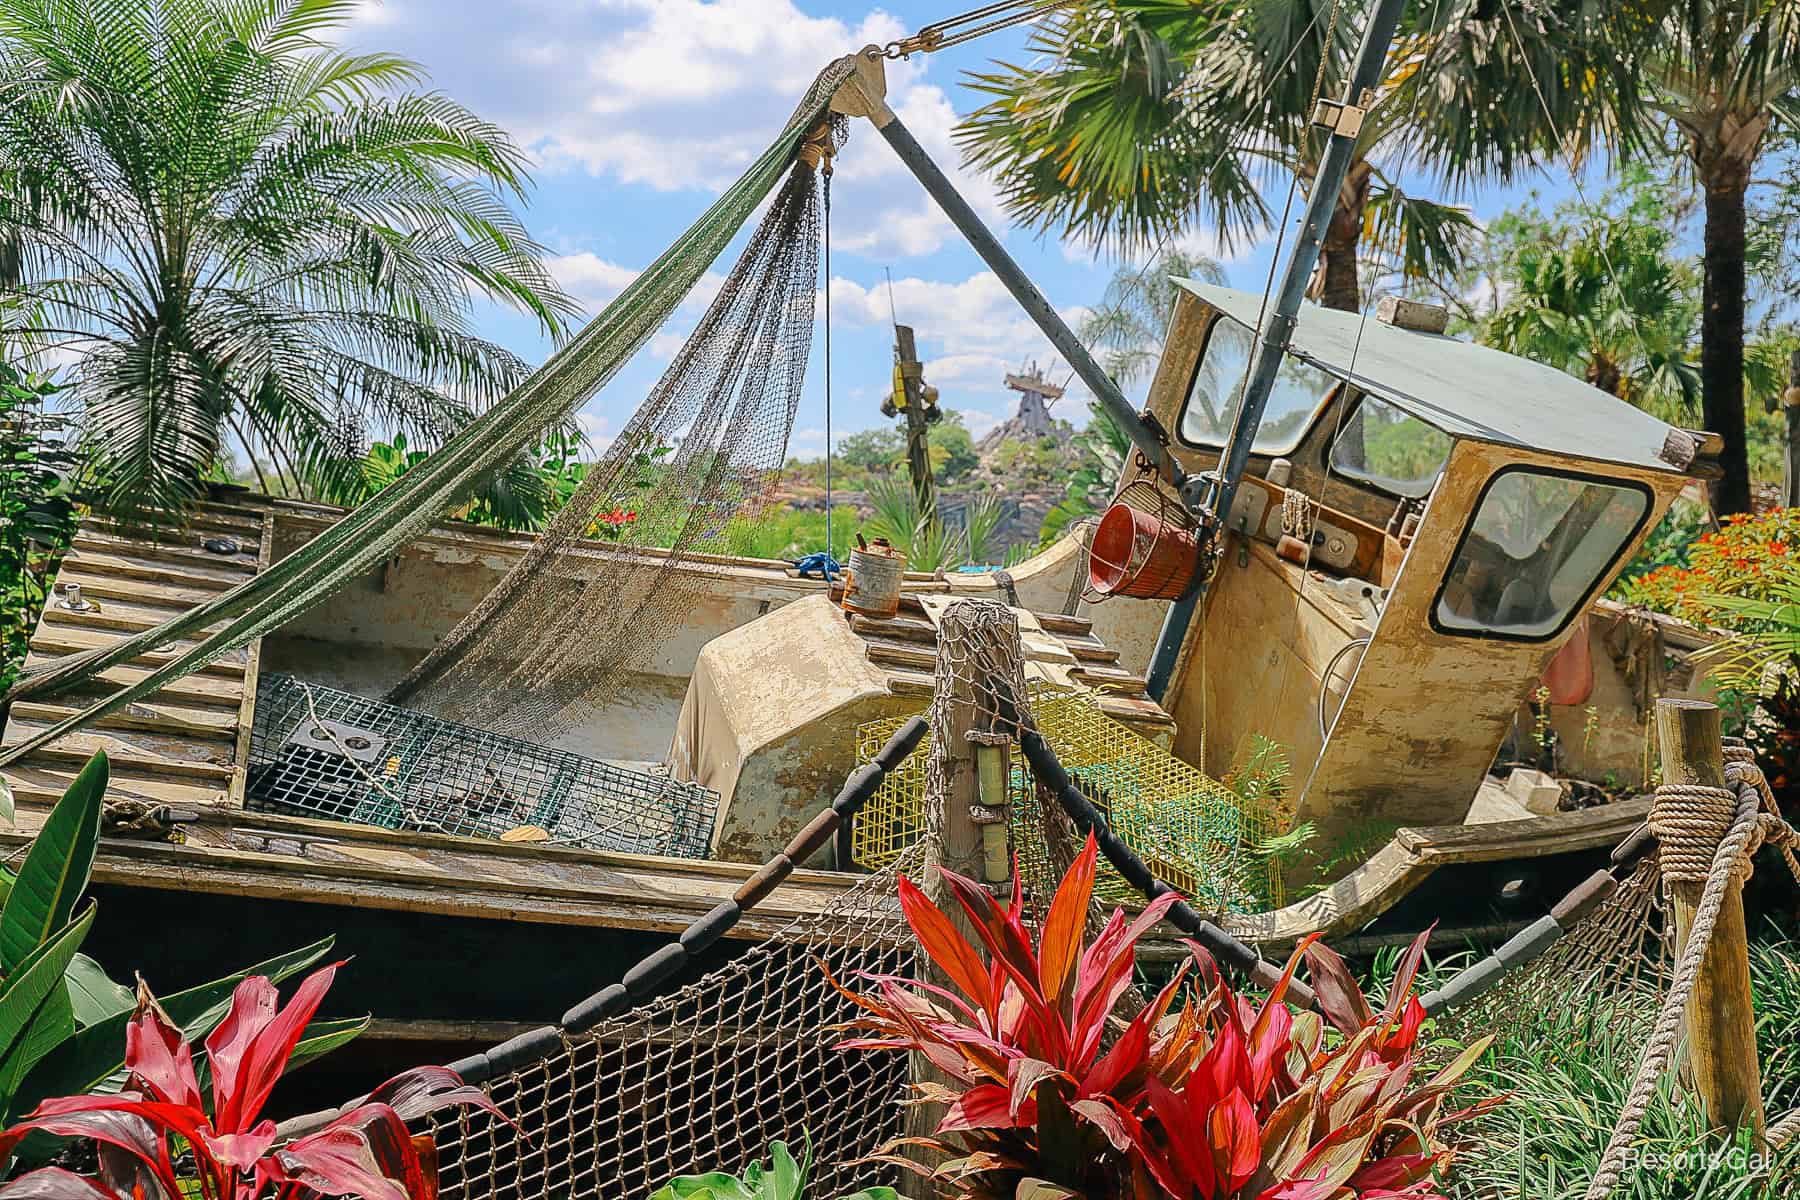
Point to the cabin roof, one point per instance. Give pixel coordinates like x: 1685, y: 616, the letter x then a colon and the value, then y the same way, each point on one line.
x: 1466, y: 390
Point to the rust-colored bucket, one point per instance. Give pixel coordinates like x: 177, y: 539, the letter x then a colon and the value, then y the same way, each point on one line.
x: 1135, y: 554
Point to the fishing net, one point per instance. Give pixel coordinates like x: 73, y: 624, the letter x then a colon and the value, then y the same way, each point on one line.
x: 704, y: 1078
x: 691, y: 468
x: 374, y: 531
x: 1197, y: 835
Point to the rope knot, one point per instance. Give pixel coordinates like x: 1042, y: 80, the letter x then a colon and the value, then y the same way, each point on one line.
x: 1689, y: 821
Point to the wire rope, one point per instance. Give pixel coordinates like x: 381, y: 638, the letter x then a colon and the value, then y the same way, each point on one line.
x: 825, y: 183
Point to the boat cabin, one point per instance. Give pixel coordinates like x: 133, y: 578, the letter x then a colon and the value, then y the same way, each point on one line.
x: 1424, y: 525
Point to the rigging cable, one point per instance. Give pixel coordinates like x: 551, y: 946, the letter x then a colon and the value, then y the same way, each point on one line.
x: 825, y: 169
x: 966, y: 26
x: 1351, y: 397
x: 1268, y: 85
x: 1574, y: 176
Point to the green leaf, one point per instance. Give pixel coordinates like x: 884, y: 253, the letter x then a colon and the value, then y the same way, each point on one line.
x: 7, y: 811
x: 322, y: 1037
x: 56, y: 869
x: 51, y: 1025
x: 94, y: 994
x: 87, y: 1061
x: 786, y: 1178
x: 713, y: 1186
x: 41, y: 971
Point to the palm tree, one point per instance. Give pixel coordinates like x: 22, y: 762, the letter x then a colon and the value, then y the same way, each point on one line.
x: 1610, y: 304
x: 239, y: 230
x: 1127, y: 329
x: 1142, y: 115
x: 1721, y: 80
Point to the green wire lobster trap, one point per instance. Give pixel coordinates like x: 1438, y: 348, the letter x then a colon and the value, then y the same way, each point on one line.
x: 319, y: 752
x: 1195, y: 834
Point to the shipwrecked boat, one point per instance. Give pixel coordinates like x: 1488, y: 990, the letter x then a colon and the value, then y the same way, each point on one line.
x: 451, y: 746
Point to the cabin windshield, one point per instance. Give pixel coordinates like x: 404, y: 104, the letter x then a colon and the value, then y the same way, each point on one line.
x: 1388, y: 448
x: 1538, y: 545
x: 1300, y: 391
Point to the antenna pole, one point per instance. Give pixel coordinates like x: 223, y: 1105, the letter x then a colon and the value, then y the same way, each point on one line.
x: 1210, y: 493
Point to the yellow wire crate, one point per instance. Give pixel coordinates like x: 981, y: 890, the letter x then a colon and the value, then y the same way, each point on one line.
x: 1195, y: 834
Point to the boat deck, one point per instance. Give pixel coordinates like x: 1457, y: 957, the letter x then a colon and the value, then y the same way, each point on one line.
x: 187, y: 744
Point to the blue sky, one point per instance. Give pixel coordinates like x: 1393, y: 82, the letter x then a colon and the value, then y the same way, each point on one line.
x: 638, y: 112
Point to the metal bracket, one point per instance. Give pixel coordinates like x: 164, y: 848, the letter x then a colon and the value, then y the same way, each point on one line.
x: 335, y: 737
x: 1343, y: 120
x: 864, y: 93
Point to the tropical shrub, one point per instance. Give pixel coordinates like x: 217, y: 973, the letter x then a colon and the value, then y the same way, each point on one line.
x: 1747, y: 558
x: 62, y: 1019
x: 1745, y: 578
x: 1567, y: 1065
x: 367, y: 1152
x: 246, y: 233
x: 1203, y: 1094
x: 782, y: 1179
x: 37, y: 516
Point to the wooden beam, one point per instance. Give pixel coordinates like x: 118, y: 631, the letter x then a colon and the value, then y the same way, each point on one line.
x: 1721, y: 1013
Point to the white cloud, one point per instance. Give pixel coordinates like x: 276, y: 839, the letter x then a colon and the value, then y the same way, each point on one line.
x: 591, y: 279
x: 597, y: 428
x: 682, y: 95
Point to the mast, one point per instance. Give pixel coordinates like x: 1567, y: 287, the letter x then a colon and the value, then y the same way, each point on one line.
x: 1209, y: 494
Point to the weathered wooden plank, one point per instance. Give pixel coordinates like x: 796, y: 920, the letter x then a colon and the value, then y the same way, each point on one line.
x: 201, y: 523
x: 1109, y: 675
x: 243, y: 562
x: 903, y: 628
x: 122, y: 616
x: 179, y: 719
x: 131, y: 566
x: 900, y: 654
x: 46, y: 783
x: 70, y: 639
x: 200, y: 690
x: 1060, y: 623
x: 104, y: 585
x: 1134, y: 710
x: 151, y: 753
x: 246, y: 716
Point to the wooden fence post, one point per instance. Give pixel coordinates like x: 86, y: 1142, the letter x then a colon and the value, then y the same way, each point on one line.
x: 1721, y: 1015
x: 951, y: 810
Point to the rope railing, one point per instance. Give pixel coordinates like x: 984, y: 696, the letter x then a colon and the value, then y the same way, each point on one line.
x: 1684, y: 817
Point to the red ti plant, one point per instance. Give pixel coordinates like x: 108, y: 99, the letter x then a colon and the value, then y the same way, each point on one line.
x: 1049, y: 1094
x: 367, y: 1152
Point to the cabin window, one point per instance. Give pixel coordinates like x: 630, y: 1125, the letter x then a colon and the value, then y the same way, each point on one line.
x: 1537, y: 547
x: 1300, y: 391
x: 1387, y: 447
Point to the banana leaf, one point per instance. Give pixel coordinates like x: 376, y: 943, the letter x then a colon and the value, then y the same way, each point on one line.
x: 56, y: 868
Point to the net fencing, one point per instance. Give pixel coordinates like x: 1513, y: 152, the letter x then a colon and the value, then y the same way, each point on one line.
x: 1197, y: 835
x: 702, y: 1079
x: 612, y: 577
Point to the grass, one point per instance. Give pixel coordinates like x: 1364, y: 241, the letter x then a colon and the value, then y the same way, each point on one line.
x: 1568, y: 1075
